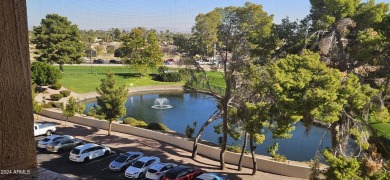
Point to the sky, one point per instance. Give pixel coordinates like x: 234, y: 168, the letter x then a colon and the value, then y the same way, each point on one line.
x: 175, y: 15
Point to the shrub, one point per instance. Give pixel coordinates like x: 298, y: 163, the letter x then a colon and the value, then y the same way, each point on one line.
x: 235, y: 148
x: 110, y: 49
x: 47, y: 105
x: 56, y: 97
x: 56, y: 86
x: 134, y: 122
x: 158, y: 126
x: 57, y: 105
x: 65, y: 93
x: 167, y: 75
x: 190, y: 130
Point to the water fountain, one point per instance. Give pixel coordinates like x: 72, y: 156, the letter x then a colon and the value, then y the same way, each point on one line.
x: 161, y: 103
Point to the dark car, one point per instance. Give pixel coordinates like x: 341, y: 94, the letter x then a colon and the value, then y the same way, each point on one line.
x: 98, y: 61
x: 113, y: 61
x: 182, y: 173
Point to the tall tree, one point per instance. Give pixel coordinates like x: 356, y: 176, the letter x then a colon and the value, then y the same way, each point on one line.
x: 140, y: 49
x: 237, y: 31
x: 57, y: 40
x: 205, y: 30
x: 70, y: 108
x: 111, y: 99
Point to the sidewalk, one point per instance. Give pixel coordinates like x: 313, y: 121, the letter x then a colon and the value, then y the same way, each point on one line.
x: 152, y: 147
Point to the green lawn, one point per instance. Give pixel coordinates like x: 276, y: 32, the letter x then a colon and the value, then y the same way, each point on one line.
x: 80, y: 79
x: 84, y: 79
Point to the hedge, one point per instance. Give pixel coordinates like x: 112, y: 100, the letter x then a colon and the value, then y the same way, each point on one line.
x: 134, y: 122
x: 56, y: 86
x: 158, y: 126
x: 56, y: 97
x: 65, y: 93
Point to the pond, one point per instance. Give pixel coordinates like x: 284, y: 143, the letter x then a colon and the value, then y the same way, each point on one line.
x: 189, y: 107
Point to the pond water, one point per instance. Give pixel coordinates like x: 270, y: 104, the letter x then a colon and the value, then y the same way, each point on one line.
x: 189, y: 107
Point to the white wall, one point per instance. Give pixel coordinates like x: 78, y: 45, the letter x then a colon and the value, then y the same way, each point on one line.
x: 264, y: 163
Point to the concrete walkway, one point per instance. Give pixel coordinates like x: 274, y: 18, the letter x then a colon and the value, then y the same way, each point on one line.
x: 150, y: 147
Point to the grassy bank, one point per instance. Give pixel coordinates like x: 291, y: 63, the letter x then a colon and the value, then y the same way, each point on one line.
x: 84, y: 79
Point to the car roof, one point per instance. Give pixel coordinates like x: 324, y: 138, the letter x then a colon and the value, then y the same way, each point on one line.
x: 130, y: 153
x: 86, y: 146
x: 53, y: 136
x: 147, y: 158
x: 178, y: 169
x: 159, y: 166
x: 207, y: 176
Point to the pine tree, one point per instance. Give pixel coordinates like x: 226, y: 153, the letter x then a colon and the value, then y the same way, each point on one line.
x: 111, y: 99
x: 58, y: 41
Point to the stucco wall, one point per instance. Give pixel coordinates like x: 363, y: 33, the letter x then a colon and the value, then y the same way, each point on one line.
x: 17, y: 144
x: 290, y: 168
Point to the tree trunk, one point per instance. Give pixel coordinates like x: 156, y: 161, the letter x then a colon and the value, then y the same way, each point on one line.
x: 253, y: 148
x: 66, y: 120
x: 224, y: 140
x: 109, y: 128
x: 61, y: 67
x: 195, y: 147
x: 343, y: 63
x: 242, y: 151
x: 335, y: 132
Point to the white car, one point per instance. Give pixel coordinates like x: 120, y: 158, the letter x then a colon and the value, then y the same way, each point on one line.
x: 41, y: 129
x: 124, y: 160
x: 88, y: 151
x: 44, y: 142
x: 157, y: 171
x: 139, y: 168
x: 63, y: 144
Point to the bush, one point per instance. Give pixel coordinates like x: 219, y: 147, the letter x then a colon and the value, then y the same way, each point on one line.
x: 65, y: 93
x: 110, y: 49
x: 234, y: 148
x: 158, y: 126
x: 56, y: 97
x: 134, y: 122
x: 47, y: 105
x: 167, y: 75
x: 56, y: 86
x: 53, y: 105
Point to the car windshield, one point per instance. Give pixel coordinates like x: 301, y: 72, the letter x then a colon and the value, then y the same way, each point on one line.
x: 46, y: 140
x: 121, y: 158
x: 138, y: 164
x: 75, y: 151
x: 152, y: 171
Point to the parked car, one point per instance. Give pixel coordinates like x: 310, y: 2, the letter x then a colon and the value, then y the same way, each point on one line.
x: 201, y: 62
x: 44, y: 142
x: 139, y: 167
x: 88, y: 151
x: 124, y: 160
x: 63, y: 144
x: 211, y: 176
x: 182, y: 173
x: 157, y: 171
x: 41, y: 129
x: 113, y: 61
x: 98, y: 61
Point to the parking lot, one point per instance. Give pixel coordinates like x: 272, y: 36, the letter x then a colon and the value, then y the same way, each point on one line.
x: 120, y: 142
x: 94, y: 169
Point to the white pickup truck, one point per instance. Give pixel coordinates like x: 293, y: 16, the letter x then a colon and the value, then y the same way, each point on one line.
x: 41, y: 129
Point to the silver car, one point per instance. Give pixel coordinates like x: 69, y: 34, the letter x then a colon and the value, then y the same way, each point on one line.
x: 63, y: 144
x: 124, y: 160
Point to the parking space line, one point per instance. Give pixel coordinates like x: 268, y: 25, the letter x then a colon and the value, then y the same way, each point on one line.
x: 122, y: 174
x: 100, y: 159
x: 104, y: 168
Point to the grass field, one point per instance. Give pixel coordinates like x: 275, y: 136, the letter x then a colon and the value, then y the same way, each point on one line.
x: 84, y: 79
